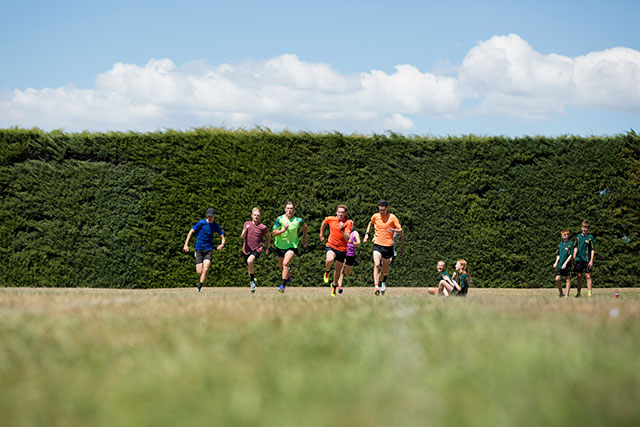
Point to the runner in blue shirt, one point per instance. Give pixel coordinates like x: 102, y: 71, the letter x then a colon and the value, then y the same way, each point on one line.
x: 204, y: 229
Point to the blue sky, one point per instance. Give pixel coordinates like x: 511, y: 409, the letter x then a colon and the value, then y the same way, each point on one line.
x: 414, y: 67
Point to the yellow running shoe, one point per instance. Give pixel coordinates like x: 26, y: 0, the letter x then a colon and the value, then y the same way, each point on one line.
x: 326, y: 278
x: 333, y: 290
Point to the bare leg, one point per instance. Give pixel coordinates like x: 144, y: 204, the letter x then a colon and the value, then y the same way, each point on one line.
x: 250, y: 263
x: 385, y: 267
x: 337, y: 273
x: 377, y: 261
x: 579, y: 287
x: 331, y: 256
x: 346, y: 271
x: 559, y: 284
x: 284, y: 264
x: 203, y: 269
x: 445, y: 288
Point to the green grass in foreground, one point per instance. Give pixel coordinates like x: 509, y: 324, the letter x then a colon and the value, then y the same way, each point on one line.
x: 171, y: 357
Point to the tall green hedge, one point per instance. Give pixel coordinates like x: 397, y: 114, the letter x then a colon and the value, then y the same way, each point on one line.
x: 113, y: 209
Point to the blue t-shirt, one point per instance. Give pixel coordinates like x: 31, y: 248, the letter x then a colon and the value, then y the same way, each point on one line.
x: 204, y: 234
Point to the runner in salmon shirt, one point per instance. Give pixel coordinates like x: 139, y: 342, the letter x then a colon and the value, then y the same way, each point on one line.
x: 385, y: 224
x: 339, y: 230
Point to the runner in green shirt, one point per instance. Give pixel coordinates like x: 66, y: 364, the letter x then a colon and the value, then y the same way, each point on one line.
x: 285, y: 233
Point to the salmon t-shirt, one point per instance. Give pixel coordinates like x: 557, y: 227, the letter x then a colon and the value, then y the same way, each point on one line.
x: 384, y: 236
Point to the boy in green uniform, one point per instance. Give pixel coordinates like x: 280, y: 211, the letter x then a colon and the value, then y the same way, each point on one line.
x: 564, y: 253
x: 285, y: 233
x: 583, y: 253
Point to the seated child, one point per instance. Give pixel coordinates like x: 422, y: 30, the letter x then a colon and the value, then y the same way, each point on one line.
x: 445, y: 283
x: 462, y: 283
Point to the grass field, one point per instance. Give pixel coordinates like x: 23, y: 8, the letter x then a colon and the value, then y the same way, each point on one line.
x: 85, y: 357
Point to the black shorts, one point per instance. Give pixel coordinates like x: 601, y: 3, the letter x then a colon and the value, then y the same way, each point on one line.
x: 385, y: 251
x: 581, y: 267
x: 351, y: 260
x: 282, y: 252
x: 340, y: 255
x: 564, y: 272
x: 203, y: 255
x: 254, y: 253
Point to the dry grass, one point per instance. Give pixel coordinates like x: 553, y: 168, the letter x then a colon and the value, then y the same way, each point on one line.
x: 77, y: 357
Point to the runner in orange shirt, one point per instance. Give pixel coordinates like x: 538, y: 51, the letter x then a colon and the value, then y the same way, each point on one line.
x: 385, y: 224
x: 339, y: 230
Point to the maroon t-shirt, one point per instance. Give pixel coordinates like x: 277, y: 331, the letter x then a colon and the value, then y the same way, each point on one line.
x: 255, y: 237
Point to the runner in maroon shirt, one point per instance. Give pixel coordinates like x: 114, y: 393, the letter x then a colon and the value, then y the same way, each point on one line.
x: 253, y: 233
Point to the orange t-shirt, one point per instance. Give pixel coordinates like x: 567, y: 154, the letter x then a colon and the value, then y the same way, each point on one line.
x: 384, y: 236
x: 336, y: 239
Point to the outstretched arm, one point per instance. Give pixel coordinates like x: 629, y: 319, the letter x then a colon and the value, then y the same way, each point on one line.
x: 186, y: 242
x: 304, y: 235
x: 224, y: 240
x: 321, y: 231
x: 268, y: 242
x: 366, y: 234
x: 279, y: 232
x: 356, y: 239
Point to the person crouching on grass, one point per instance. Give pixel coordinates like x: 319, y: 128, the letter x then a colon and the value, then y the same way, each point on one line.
x: 564, y: 253
x: 445, y: 283
x: 253, y: 233
x: 204, y: 229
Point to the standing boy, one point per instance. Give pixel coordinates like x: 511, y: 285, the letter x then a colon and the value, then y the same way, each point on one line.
x: 285, y: 233
x: 253, y: 233
x: 204, y: 229
x: 385, y: 224
x: 339, y: 230
x: 564, y: 254
x: 583, y: 253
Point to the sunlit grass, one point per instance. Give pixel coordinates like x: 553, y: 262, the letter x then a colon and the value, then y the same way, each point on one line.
x: 223, y: 357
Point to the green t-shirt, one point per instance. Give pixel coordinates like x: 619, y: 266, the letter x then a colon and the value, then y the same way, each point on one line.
x: 564, y: 251
x: 463, y: 282
x: 288, y: 239
x: 585, y: 245
x: 443, y: 275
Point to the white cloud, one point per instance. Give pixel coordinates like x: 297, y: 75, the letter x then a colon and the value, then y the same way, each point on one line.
x: 503, y: 76
x: 509, y: 78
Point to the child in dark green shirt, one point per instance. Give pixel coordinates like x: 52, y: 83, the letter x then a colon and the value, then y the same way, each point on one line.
x: 462, y: 282
x: 564, y: 253
x: 583, y: 253
x: 445, y: 283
